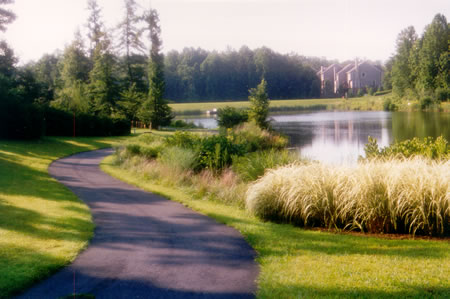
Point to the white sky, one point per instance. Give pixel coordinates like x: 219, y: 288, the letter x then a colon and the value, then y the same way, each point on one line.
x: 341, y: 29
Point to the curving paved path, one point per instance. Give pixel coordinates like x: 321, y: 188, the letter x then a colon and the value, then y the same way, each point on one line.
x: 146, y: 246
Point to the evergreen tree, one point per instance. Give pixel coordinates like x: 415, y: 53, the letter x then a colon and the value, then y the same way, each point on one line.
x: 130, y: 39
x: 95, y: 26
x: 155, y: 111
x: 6, y: 16
x: 103, y: 88
x: 259, y: 105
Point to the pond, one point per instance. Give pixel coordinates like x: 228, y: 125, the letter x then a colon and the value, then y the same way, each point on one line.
x: 339, y: 137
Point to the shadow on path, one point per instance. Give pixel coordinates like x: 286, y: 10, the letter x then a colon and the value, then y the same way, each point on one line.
x: 146, y: 246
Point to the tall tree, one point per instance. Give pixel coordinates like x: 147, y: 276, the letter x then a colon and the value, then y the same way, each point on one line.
x: 94, y: 25
x: 433, y: 55
x: 75, y: 67
x: 155, y: 111
x: 103, y: 88
x: 401, y: 69
x: 130, y: 38
x: 259, y: 105
x: 6, y: 16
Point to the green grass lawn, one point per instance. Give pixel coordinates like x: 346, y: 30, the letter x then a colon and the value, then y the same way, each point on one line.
x: 298, y: 263
x: 361, y: 103
x: 43, y: 226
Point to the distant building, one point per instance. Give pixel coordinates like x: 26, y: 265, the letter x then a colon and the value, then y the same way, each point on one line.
x: 337, y: 80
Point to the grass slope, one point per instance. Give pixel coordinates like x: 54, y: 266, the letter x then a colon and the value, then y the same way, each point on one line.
x: 43, y: 226
x: 297, y: 263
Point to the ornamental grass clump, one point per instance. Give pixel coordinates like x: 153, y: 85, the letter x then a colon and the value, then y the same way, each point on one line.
x: 389, y: 196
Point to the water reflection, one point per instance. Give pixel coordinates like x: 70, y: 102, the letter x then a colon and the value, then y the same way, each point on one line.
x: 334, y: 137
x: 340, y: 137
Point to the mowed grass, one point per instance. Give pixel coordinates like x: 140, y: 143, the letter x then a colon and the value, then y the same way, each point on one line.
x: 298, y: 263
x: 43, y: 226
x: 360, y: 103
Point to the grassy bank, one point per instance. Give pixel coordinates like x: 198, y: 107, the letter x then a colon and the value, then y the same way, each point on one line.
x: 43, y: 226
x: 294, y: 262
x: 360, y: 103
x: 297, y: 263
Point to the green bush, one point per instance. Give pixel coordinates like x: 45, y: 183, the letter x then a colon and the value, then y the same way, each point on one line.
x: 182, y: 124
x: 151, y: 151
x: 253, y: 165
x: 428, y: 147
x: 426, y: 103
x: 215, y: 152
x: 389, y: 105
x: 133, y: 149
x: 230, y: 117
x: 253, y: 138
x: 442, y: 94
x: 183, y: 139
x: 148, y: 151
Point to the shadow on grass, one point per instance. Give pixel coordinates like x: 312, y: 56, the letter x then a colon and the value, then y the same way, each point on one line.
x: 27, y: 270
x: 41, y: 226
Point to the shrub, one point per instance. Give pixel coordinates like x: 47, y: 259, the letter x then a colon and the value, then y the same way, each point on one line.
x: 183, y: 139
x: 428, y: 147
x: 151, y: 151
x: 229, y: 117
x: 389, y: 105
x: 426, y: 103
x: 182, y: 124
x: 378, y: 196
x: 253, y: 138
x: 215, y: 152
x: 253, y: 165
x: 442, y: 94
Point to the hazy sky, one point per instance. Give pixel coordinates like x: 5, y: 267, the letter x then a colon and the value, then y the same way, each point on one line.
x: 341, y: 29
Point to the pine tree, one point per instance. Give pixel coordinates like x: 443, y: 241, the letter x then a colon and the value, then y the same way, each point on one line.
x: 103, y: 89
x: 259, y: 105
x: 95, y: 26
x: 130, y: 38
x: 155, y: 111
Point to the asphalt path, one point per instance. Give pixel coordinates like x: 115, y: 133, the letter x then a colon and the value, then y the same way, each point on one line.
x: 146, y: 246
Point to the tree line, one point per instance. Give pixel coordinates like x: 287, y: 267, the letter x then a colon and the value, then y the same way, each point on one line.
x: 106, y: 77
x: 420, y: 68
x: 199, y: 75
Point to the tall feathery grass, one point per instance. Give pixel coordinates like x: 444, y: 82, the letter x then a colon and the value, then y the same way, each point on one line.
x: 393, y: 196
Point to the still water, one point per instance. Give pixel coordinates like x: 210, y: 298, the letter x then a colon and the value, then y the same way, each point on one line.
x: 340, y: 137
